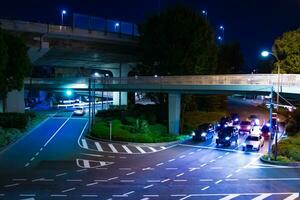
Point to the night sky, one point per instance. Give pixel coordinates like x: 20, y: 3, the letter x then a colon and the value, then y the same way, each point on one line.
x: 254, y: 23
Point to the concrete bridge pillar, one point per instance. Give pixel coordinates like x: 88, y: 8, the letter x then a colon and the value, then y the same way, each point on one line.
x: 174, y: 113
x: 15, y: 101
x: 120, y: 98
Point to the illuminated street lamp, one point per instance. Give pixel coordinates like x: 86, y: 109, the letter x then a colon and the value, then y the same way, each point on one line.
x: 69, y: 93
x: 63, y: 12
x: 204, y: 12
x: 117, y: 26
x: 223, y: 32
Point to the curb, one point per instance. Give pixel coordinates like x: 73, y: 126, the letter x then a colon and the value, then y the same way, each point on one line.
x: 279, y: 162
x: 166, y: 144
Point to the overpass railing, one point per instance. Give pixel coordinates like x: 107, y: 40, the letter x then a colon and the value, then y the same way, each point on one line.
x: 17, y: 25
x: 288, y: 80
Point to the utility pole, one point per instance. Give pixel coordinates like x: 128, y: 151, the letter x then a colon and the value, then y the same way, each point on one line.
x: 270, y: 129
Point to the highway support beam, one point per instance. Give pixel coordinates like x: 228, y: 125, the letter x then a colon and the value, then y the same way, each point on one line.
x: 174, y: 113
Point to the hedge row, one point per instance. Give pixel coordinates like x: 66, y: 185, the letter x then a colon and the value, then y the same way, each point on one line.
x: 13, y: 120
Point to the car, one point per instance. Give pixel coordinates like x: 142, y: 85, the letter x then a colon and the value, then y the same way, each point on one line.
x: 253, y: 142
x: 204, y: 132
x: 255, y: 130
x: 254, y: 119
x: 245, y: 127
x: 275, y: 117
x: 227, y: 135
x: 265, y: 131
x: 79, y: 111
x: 223, y: 123
x: 235, y: 119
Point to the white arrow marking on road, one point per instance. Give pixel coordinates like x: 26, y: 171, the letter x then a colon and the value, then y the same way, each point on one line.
x: 98, y: 146
x: 111, y: 146
x: 231, y: 196
x: 262, y: 196
x: 292, y: 197
x: 140, y: 149
x: 126, y: 149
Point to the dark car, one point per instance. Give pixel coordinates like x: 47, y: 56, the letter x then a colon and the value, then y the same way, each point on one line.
x: 265, y: 131
x: 227, y: 135
x: 223, y: 122
x: 235, y: 118
x: 204, y: 132
x: 245, y: 127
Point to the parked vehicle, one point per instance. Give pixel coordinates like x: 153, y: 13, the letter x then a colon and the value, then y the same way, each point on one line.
x: 227, y: 135
x: 245, y: 127
x: 265, y: 132
x: 253, y: 142
x: 235, y: 119
x: 223, y: 123
x: 254, y: 119
x: 204, y: 132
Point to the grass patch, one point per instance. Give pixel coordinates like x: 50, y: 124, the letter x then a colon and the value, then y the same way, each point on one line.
x: 132, y: 130
x: 9, y: 135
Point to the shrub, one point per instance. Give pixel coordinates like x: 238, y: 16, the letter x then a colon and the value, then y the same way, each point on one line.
x: 8, y: 136
x: 13, y: 120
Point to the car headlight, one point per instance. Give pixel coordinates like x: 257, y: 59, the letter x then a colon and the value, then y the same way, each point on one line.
x: 203, y: 134
x: 236, y: 119
x: 257, y: 121
x: 193, y: 133
x: 239, y: 127
x: 225, y: 125
x: 217, y: 137
x: 268, y: 124
x: 244, y: 144
x: 248, y: 127
x: 227, y: 138
x: 219, y: 125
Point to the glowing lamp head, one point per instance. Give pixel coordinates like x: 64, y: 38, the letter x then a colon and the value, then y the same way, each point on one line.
x: 265, y: 53
x: 69, y: 92
x: 64, y: 12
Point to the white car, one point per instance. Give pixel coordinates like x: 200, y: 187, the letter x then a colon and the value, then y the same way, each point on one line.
x: 79, y: 111
x: 253, y: 142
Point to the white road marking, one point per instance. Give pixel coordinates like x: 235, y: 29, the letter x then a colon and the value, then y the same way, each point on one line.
x: 58, y: 195
x: 163, y: 181
x: 220, y: 157
x: 41, y: 149
x: 74, y: 180
x: 212, y: 161
x: 147, y: 168
x: 219, y: 181
x: 126, y: 149
x: 98, y: 146
x: 148, y: 186
x: 163, y: 147
x: 199, y: 150
x: 178, y: 195
x: 262, y: 196
x: 86, y: 164
x: 62, y: 174
x: 130, y: 173
x: 112, y: 178
x: 123, y: 157
x: 128, y: 193
x: 68, y: 190
x: 32, y: 159
x: 230, y: 175
x: 171, y: 160
x: 27, y: 164
x: 140, y: 149
x: 153, y: 181
x: 124, y: 168
x: 230, y: 196
x: 27, y: 195
x: 203, y: 180
x: 150, y: 195
x: 191, y: 153
x: 216, y: 168
x: 89, y: 195
x: 232, y: 179
x: 180, y: 180
x: 81, y: 170
x: 178, y: 175
x: 112, y: 147
x: 90, y: 184
x: 171, y: 168
x: 127, y: 181
x: 56, y: 132
x: 111, y: 156
x: 203, y: 165
x: 293, y: 196
x: 145, y: 198
x: 159, y: 164
x: 2, y: 195
x: 227, y: 153
x: 237, y: 170
x: 94, y: 155
x: 152, y: 149
x: 182, y: 156
x: 101, y: 180
x: 119, y: 195
x: 11, y: 185
x: 274, y: 179
x: 37, y: 153
x: 205, y: 188
x: 193, y: 169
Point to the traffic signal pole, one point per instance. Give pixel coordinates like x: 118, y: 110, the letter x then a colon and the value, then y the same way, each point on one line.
x: 270, y: 129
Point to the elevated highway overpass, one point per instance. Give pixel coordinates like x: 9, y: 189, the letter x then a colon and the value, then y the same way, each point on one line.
x: 289, y: 84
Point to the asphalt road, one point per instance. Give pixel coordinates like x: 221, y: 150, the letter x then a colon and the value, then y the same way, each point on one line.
x: 54, y: 161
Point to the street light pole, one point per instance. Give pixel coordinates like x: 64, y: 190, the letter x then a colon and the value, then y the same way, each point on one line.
x: 63, y: 12
x: 270, y: 129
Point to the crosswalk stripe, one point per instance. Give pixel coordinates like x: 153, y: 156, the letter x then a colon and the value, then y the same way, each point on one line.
x: 292, y: 197
x: 84, y: 144
x: 231, y: 196
x: 98, y: 146
x: 86, y: 164
x: 126, y: 149
x: 112, y: 148
x: 152, y: 149
x: 262, y: 196
x: 163, y: 147
x: 140, y: 149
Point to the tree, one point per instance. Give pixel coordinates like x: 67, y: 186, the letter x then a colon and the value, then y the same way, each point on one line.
x: 287, y: 49
x: 15, y: 66
x: 230, y: 59
x: 177, y: 42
